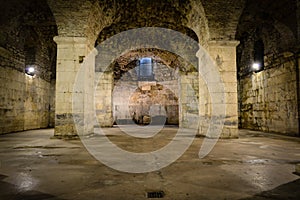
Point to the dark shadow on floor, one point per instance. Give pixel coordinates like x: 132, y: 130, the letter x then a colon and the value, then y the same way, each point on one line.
x: 289, y: 191
x: 10, y: 192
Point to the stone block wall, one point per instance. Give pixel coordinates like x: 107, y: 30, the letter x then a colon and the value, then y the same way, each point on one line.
x: 26, y: 40
x: 268, y: 95
x: 146, y: 99
x: 268, y: 99
x: 12, y: 87
x: 25, y: 100
x: 136, y: 99
x: 37, y: 103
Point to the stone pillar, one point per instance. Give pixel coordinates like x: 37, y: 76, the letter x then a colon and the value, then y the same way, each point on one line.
x: 103, y: 98
x: 74, y: 87
x: 104, y: 82
x: 223, y: 55
x: 188, y: 100
x: 88, y: 70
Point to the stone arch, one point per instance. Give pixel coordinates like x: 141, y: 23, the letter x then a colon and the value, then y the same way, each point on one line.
x: 144, y: 40
x: 118, y: 28
x: 167, y: 71
x: 259, y: 23
x: 80, y: 34
x: 97, y: 15
x: 127, y: 61
x: 111, y: 17
x: 132, y: 48
x: 197, y: 21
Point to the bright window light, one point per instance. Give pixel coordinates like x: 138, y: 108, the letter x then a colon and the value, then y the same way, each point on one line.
x: 145, y: 69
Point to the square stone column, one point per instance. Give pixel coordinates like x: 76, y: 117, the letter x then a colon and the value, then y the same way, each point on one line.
x: 74, y: 87
x: 103, y: 98
x: 218, y: 80
x: 188, y: 100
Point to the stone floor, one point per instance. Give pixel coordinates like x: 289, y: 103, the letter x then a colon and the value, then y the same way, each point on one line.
x: 255, y: 166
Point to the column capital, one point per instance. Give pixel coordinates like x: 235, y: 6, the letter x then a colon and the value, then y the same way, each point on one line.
x: 227, y: 43
x: 70, y: 40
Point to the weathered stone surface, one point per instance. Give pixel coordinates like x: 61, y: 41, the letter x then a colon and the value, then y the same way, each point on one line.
x: 268, y: 100
x: 75, y: 91
x: 103, y: 99
x: 220, y: 84
x: 140, y: 97
x: 26, y: 34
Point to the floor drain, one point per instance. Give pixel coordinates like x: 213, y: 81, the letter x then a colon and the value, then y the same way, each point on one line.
x: 158, y: 194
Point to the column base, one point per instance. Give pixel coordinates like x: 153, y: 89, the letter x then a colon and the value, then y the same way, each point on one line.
x: 67, y: 131
x: 228, y: 132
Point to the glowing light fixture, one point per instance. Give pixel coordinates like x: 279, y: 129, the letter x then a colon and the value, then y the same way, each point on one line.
x: 256, y: 67
x: 30, y: 70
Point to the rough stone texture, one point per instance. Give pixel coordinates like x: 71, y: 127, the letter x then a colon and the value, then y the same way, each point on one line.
x: 167, y: 69
x: 89, y: 18
x: 223, y: 17
x: 26, y: 33
x: 12, y: 100
x: 37, y: 103
x: 103, y: 99
x: 274, y: 21
x: 268, y: 99
x: 187, y: 17
x: 190, y: 14
x: 152, y: 98
x: 25, y: 101
x: 28, y: 27
x: 189, y: 100
x: 74, y: 87
x: 222, y: 55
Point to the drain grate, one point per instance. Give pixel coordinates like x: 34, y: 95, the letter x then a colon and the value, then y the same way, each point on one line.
x: 157, y: 194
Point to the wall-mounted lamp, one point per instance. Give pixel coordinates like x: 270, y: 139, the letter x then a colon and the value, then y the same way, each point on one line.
x: 30, y: 70
x: 257, y: 67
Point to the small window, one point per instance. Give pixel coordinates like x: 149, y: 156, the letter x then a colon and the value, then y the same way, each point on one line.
x: 145, y: 69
